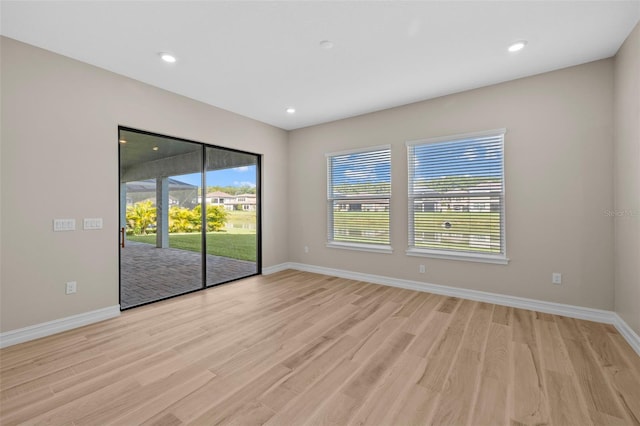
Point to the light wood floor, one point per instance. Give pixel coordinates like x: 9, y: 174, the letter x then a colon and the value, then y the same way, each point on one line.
x: 299, y: 348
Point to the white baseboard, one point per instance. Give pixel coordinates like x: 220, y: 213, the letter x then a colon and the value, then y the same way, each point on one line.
x: 608, y: 317
x: 13, y: 337
x: 276, y: 268
x: 572, y: 311
x: 627, y: 332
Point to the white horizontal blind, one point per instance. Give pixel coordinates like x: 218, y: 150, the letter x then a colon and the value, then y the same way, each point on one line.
x: 456, y: 195
x: 359, y: 190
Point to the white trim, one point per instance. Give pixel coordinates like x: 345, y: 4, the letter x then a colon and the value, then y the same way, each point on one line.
x: 412, y: 196
x: 572, y: 311
x: 373, y: 248
x: 32, y: 332
x: 13, y: 337
x: 332, y: 198
x: 627, y: 332
x: 481, y: 296
x: 451, y: 255
x: 459, y: 137
x: 268, y: 270
x: 358, y: 150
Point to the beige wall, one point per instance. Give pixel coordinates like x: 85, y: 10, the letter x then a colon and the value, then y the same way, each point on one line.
x: 59, y: 159
x: 627, y: 180
x: 558, y: 167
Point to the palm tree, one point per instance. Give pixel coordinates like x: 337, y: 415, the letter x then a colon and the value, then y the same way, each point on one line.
x: 140, y: 216
x: 216, y: 217
x: 183, y: 220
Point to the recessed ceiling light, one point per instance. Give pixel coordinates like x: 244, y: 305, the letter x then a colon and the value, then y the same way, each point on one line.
x: 167, y: 57
x: 326, y: 44
x: 517, y: 46
x: 123, y: 141
x: 155, y: 148
x: 291, y: 110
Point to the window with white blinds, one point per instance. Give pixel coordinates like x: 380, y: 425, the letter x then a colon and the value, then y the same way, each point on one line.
x: 358, y: 196
x: 456, y: 197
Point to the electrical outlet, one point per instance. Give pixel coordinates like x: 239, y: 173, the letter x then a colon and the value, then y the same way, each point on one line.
x: 556, y: 278
x: 71, y: 287
x: 421, y: 269
x: 306, y: 249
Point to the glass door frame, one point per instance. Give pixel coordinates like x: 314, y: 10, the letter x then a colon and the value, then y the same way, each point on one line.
x: 203, y: 206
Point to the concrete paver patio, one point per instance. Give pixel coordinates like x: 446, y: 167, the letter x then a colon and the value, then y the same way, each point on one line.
x: 149, y: 273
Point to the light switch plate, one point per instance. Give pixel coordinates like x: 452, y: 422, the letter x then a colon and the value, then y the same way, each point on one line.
x: 64, y: 225
x: 93, y: 223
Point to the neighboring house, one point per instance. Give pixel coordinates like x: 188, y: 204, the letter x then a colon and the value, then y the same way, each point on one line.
x: 245, y: 202
x: 216, y: 198
x: 364, y: 203
x: 456, y: 200
x: 453, y: 200
x: 369, y: 205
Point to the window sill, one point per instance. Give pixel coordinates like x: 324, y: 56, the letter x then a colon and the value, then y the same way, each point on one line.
x: 468, y: 257
x: 373, y: 248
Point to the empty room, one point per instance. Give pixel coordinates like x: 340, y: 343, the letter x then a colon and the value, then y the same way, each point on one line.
x: 320, y: 212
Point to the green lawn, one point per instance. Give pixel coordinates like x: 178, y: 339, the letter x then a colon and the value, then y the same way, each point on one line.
x: 236, y: 245
x: 234, y: 242
x: 238, y: 216
x: 469, y: 231
x: 361, y: 227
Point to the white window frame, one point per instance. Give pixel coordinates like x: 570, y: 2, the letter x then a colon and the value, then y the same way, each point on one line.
x: 374, y: 248
x: 451, y: 254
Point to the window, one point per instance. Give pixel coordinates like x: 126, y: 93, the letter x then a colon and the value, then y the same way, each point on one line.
x: 358, y: 195
x: 456, y: 197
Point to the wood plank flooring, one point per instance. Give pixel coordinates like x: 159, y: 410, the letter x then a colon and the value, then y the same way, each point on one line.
x: 299, y: 348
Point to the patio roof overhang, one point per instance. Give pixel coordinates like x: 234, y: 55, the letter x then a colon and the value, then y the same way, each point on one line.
x: 174, y: 157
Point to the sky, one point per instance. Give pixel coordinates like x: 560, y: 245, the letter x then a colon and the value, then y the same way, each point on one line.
x: 470, y: 157
x: 363, y: 167
x: 458, y: 158
x: 237, y: 176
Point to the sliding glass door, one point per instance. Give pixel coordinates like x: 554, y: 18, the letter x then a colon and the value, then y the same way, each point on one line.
x: 232, y: 212
x: 189, y: 216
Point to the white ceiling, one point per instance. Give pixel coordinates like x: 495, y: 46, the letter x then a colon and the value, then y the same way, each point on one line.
x: 258, y: 58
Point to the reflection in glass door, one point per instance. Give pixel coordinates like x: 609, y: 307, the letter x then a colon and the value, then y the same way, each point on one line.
x: 181, y: 229
x: 160, y: 179
x: 232, y: 215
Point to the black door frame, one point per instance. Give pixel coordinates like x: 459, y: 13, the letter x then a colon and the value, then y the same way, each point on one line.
x: 204, y: 146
